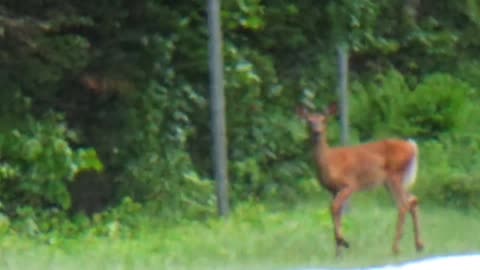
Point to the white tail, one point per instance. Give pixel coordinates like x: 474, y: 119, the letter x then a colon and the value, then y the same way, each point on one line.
x: 346, y: 170
x: 411, y: 171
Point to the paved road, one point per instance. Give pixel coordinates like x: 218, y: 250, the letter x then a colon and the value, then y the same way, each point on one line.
x: 456, y: 262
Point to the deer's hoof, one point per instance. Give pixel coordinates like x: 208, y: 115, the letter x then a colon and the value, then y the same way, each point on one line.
x: 395, y: 250
x: 342, y: 242
x: 419, y: 245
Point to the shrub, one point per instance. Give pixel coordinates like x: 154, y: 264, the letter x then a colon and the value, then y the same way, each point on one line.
x: 438, y: 105
x: 38, y: 161
x: 378, y: 109
x: 461, y: 191
x: 448, y: 171
x: 155, y: 167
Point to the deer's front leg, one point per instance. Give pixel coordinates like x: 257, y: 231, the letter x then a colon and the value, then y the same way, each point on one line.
x: 337, y: 207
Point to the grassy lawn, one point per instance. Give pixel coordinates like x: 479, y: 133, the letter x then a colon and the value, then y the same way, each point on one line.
x: 255, y: 237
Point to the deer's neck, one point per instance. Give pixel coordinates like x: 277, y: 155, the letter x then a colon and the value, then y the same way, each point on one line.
x: 320, y: 148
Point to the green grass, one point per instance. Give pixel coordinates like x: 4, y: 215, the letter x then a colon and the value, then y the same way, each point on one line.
x: 254, y: 237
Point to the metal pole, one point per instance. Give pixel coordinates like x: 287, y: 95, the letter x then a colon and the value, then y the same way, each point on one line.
x: 343, y: 91
x: 217, y: 102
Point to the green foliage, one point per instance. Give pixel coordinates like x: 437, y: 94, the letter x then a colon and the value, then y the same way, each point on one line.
x: 52, y: 226
x: 130, y: 79
x: 448, y: 172
x: 461, y: 192
x: 162, y: 173
x: 381, y: 107
x: 38, y: 162
x: 262, y: 166
x: 243, y: 14
x: 356, y: 22
x: 438, y: 105
x: 120, y: 221
x: 469, y: 71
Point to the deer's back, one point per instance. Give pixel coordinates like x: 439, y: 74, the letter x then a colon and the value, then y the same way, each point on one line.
x: 368, y: 164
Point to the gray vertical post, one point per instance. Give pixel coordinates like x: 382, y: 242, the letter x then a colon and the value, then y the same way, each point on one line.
x: 217, y: 102
x: 343, y: 91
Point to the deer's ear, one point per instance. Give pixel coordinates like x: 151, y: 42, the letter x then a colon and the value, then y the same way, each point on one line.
x: 332, y: 109
x: 302, y: 112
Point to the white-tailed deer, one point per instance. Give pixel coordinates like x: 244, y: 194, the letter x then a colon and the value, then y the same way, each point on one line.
x: 345, y: 170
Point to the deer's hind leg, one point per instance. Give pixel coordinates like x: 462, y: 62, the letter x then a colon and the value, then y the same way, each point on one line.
x: 405, y: 203
x: 401, y: 198
x: 413, y: 206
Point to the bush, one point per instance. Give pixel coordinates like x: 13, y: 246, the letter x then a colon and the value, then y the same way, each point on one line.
x: 159, y: 171
x: 50, y: 225
x: 460, y: 191
x: 379, y: 109
x: 438, y: 105
x: 38, y: 161
x: 448, y: 172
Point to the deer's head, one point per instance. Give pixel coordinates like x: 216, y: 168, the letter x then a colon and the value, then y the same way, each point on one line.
x: 317, y: 121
